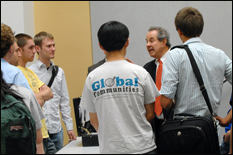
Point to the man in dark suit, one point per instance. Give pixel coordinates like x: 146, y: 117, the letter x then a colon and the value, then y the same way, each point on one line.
x: 158, y: 44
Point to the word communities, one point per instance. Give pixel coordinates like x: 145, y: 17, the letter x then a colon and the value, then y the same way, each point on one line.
x: 115, y: 90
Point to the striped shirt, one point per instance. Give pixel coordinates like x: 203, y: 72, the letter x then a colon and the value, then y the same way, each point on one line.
x: 179, y: 81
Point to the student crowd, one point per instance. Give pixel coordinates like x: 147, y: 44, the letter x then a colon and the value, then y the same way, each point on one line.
x: 127, y: 103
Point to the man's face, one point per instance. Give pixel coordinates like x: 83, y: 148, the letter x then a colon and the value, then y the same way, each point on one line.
x: 28, y: 51
x: 16, y: 54
x: 47, y: 50
x: 153, y: 45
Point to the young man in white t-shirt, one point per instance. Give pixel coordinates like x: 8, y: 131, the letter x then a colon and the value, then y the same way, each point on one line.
x: 120, y: 97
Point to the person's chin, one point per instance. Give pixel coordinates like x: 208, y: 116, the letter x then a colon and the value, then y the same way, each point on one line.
x: 31, y: 60
x: 152, y: 55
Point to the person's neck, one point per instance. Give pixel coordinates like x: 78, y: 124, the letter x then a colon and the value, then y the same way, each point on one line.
x: 22, y: 63
x: 45, y: 61
x: 184, y: 38
x: 7, y: 57
x: 165, y: 50
x: 115, y: 55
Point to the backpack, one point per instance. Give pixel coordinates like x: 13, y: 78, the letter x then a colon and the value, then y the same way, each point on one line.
x: 18, y: 130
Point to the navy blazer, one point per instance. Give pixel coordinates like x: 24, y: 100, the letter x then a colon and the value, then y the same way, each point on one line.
x: 151, y: 68
x: 91, y: 68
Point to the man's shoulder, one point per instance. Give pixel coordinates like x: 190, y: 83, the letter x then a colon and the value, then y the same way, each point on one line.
x: 26, y: 71
x: 60, y: 70
x: 8, y: 67
x: 149, y: 64
x: 33, y: 66
x: 91, y: 68
x: 20, y: 90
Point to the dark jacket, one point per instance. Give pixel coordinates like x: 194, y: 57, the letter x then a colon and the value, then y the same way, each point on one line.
x: 94, y: 66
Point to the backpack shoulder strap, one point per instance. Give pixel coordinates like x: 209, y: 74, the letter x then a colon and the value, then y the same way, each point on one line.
x: 197, y: 75
x: 54, y: 74
x: 178, y: 46
x: 10, y: 101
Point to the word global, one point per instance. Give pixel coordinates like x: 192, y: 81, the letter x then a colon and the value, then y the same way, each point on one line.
x: 110, y: 82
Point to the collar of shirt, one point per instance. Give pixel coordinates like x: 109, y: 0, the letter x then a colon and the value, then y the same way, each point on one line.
x: 192, y: 40
x: 4, y: 61
x: 162, y: 58
x: 41, y: 64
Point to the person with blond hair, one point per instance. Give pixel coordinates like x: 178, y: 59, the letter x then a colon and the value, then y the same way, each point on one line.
x: 44, y: 68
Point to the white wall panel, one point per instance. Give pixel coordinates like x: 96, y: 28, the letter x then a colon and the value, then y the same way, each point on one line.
x: 19, y: 15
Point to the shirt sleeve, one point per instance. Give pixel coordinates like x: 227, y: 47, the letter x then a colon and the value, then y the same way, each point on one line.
x: 36, y: 111
x: 170, y: 76
x: 65, y: 104
x: 87, y: 99
x: 39, y: 82
x: 151, y: 91
x: 30, y: 101
x: 228, y: 69
x: 21, y: 80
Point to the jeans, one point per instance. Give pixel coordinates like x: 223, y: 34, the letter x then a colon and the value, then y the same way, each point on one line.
x: 49, y: 146
x: 57, y: 139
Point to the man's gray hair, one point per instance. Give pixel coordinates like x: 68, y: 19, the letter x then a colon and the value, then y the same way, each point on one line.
x: 162, y: 34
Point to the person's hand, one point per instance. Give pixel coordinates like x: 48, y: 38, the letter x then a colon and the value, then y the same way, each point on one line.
x: 39, y: 99
x: 129, y: 60
x: 71, y: 135
x: 222, y: 121
x: 227, y: 136
x: 42, y: 88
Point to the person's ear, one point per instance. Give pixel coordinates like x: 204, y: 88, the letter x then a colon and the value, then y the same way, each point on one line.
x: 19, y: 52
x: 20, y: 49
x: 37, y: 48
x: 180, y: 32
x: 101, y: 47
x: 164, y: 41
x: 10, y: 49
x: 127, y: 43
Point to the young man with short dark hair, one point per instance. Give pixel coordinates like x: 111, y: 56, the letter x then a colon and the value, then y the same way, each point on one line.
x: 41, y: 91
x: 120, y: 97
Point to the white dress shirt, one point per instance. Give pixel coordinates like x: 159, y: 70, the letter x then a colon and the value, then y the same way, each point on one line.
x: 60, y: 100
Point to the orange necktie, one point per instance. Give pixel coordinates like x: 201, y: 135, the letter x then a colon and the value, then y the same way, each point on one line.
x: 158, y: 108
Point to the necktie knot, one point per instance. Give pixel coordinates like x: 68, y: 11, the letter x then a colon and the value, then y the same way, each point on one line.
x: 160, y: 62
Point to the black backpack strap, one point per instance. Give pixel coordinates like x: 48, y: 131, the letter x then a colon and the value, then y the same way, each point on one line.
x: 54, y: 74
x: 198, y: 76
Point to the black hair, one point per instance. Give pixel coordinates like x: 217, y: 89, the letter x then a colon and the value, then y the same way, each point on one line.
x: 113, y: 35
